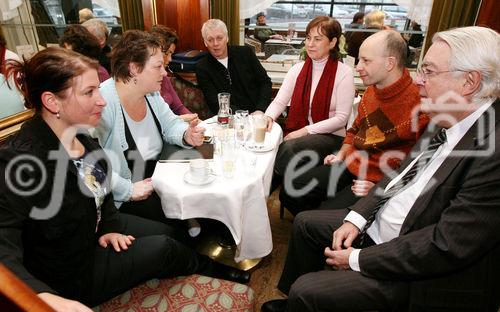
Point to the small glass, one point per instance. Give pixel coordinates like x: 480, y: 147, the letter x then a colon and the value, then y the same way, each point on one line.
x: 240, y: 123
x: 229, y: 154
x: 229, y: 135
x: 241, y: 113
x: 219, y: 136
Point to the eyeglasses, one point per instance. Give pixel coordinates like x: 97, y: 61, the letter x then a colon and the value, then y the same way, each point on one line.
x: 424, y: 73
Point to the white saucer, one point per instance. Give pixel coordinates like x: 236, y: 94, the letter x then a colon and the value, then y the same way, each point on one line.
x: 257, y: 149
x: 189, y: 179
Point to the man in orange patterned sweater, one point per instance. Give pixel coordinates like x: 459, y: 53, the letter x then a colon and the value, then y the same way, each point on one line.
x: 383, y: 133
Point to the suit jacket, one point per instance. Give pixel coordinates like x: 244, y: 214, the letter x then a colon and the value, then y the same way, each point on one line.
x: 250, y: 86
x: 448, y: 247
x: 56, y: 254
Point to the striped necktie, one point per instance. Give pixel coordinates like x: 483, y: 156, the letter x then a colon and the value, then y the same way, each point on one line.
x: 435, y: 143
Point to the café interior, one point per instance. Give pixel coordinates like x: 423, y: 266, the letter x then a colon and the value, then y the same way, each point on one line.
x: 233, y: 212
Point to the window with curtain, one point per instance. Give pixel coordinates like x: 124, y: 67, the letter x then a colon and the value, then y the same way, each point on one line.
x: 281, y: 16
x: 301, y: 11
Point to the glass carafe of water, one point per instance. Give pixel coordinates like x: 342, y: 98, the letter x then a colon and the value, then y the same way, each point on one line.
x: 224, y: 108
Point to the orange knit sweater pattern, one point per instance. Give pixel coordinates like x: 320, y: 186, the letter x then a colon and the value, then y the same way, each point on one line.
x: 385, y: 129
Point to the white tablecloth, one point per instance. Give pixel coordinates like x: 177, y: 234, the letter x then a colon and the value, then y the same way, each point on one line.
x: 239, y: 202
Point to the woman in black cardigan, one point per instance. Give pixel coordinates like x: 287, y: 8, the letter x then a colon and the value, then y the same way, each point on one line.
x: 59, y: 229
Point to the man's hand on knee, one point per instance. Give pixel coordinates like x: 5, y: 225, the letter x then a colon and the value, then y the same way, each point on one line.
x: 338, y: 259
x: 344, y: 236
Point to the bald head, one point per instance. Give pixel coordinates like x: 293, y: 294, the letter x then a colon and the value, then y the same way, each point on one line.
x: 388, y: 43
x: 381, y: 59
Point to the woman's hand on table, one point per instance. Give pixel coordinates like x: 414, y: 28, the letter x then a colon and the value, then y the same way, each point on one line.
x: 270, y: 122
x: 117, y: 240
x: 194, y: 135
x: 361, y: 187
x: 257, y: 112
x: 296, y: 134
x: 189, y: 117
x: 142, y: 189
x: 61, y: 304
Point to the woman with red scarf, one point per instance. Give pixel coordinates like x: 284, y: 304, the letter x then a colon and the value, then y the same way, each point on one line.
x: 320, y: 92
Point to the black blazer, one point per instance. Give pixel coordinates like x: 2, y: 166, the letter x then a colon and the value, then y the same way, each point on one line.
x: 54, y: 255
x: 449, y: 243
x: 250, y: 86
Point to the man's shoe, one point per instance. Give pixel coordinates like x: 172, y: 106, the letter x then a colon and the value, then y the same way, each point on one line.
x: 277, y: 305
x: 231, y: 274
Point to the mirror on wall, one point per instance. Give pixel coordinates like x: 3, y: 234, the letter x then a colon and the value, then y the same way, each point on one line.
x: 28, y: 26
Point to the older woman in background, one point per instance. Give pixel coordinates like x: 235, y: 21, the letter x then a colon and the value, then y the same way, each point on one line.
x: 375, y: 20
x: 137, y: 122
x: 79, y: 39
x: 320, y: 92
x: 99, y: 29
x: 168, y: 39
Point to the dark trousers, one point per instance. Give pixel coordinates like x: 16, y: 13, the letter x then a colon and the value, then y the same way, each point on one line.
x: 153, y: 254
x: 151, y: 209
x: 288, y: 151
x: 312, y: 288
x: 328, y: 187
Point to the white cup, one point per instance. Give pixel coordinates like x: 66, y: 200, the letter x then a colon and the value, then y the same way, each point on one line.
x: 199, y: 170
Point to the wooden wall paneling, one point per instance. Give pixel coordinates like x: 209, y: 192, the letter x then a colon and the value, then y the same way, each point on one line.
x: 204, y: 16
x: 148, y: 14
x: 166, y: 12
x: 488, y: 14
x: 187, y: 17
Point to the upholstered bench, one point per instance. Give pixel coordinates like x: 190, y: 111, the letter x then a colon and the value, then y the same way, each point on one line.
x: 189, y: 293
x: 190, y: 94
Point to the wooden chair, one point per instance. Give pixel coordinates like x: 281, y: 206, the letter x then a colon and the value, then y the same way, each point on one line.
x: 16, y: 296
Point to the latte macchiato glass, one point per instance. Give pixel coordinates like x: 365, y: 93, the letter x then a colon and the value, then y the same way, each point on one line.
x: 259, y: 129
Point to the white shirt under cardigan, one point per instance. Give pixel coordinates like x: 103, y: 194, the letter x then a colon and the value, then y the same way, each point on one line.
x: 390, y: 218
x: 148, y: 141
x: 340, y: 103
x: 111, y: 135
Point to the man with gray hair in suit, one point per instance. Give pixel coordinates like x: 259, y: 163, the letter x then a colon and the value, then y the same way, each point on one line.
x: 233, y: 69
x: 426, y: 237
